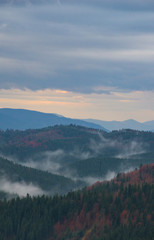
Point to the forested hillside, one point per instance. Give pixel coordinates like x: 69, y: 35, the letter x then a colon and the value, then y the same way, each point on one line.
x: 120, y: 209
x: 78, y: 152
x: 17, y: 179
x: 22, y: 144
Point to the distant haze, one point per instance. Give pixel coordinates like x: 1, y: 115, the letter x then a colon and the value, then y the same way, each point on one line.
x: 128, y: 124
x: 22, y: 119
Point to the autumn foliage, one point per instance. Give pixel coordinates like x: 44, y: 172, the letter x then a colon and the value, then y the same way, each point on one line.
x: 115, y: 210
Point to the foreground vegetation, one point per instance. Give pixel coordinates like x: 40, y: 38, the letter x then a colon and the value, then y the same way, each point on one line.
x: 115, y: 210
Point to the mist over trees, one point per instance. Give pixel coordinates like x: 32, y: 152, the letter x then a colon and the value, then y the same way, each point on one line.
x: 63, y: 158
x: 46, y: 178
x: 120, y: 209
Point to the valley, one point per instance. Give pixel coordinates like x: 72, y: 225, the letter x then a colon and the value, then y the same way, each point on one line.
x: 60, y: 159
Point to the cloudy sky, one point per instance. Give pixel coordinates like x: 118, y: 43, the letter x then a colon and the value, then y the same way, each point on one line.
x: 78, y: 58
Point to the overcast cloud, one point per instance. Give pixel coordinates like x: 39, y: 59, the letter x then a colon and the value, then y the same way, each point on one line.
x: 77, y: 45
x: 78, y: 58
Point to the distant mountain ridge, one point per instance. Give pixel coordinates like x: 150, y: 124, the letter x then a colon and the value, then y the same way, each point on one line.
x: 21, y: 119
x: 127, y: 124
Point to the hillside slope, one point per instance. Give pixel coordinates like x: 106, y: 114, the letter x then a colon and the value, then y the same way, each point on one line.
x: 120, y: 209
x: 78, y: 152
x: 22, y: 119
x: 20, y: 180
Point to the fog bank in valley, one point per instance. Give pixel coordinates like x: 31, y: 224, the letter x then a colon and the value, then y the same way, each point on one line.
x: 19, y: 188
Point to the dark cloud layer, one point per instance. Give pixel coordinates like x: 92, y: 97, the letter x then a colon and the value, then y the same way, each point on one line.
x: 77, y: 45
x: 119, y: 4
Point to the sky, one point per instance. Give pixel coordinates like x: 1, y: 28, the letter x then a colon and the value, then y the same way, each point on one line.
x: 78, y: 58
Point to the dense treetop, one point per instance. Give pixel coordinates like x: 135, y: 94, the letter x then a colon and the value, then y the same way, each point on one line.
x: 115, y: 210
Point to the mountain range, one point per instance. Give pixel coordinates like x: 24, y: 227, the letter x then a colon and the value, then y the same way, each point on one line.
x: 21, y: 119
x: 127, y: 124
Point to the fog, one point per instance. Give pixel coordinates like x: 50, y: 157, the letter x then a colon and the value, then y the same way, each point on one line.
x: 62, y: 162
x: 19, y: 188
x: 104, y: 143
x: 126, y: 149
x: 49, y: 161
x: 91, y: 180
x: 54, y: 161
x: 109, y: 175
x: 131, y: 149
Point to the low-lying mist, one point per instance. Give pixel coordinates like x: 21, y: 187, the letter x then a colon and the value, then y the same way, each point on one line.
x: 62, y: 162
x: 19, y: 188
x: 131, y: 149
